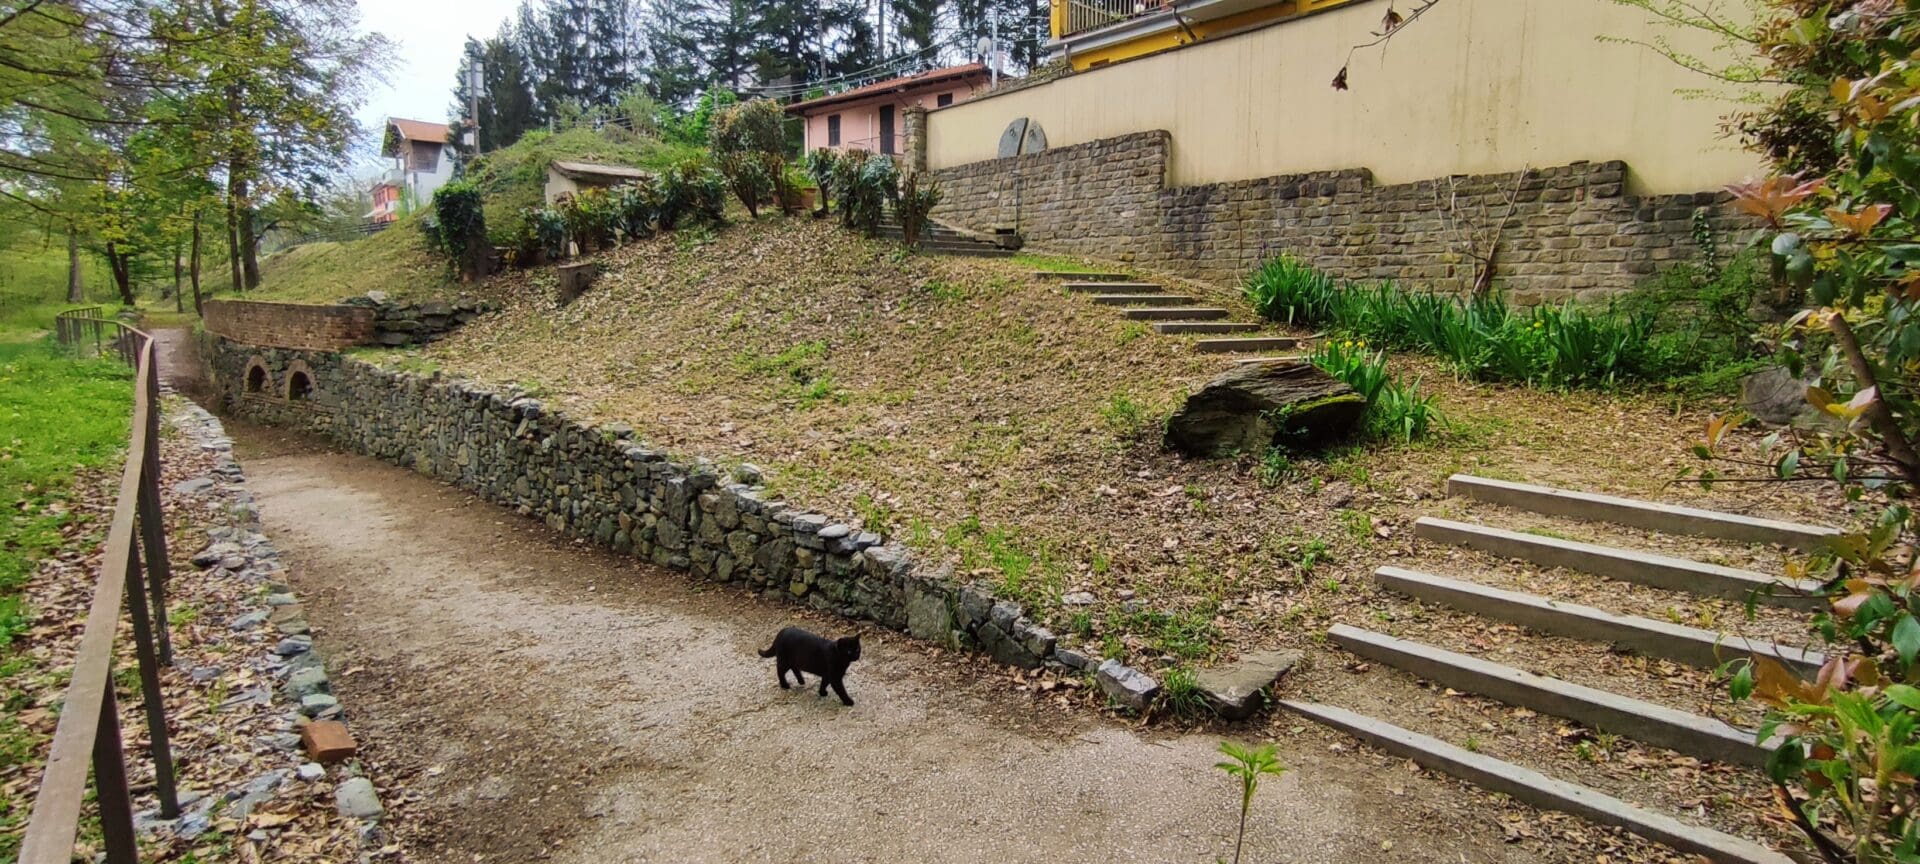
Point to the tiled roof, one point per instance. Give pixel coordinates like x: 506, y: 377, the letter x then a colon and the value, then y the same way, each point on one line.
x: 420, y: 130
x: 892, y: 85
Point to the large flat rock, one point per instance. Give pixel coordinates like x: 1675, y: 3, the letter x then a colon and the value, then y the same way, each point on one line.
x: 1254, y: 406
x: 1237, y: 690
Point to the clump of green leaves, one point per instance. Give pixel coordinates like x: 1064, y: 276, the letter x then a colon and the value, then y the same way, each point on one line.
x: 1180, y: 692
x: 458, y: 229
x: 919, y: 194
x: 1394, y: 410
x: 691, y: 191
x: 1127, y: 418
x: 1248, y: 765
x: 1289, y: 290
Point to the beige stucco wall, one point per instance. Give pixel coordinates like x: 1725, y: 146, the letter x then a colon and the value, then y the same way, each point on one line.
x: 1473, y: 87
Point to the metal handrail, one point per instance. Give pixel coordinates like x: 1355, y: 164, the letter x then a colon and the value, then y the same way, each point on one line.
x: 89, y: 728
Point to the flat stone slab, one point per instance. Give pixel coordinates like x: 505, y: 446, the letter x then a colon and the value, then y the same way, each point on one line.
x: 1286, y: 358
x: 1206, y: 327
x: 1143, y: 299
x: 1236, y: 691
x: 1539, y: 790
x: 1690, y: 645
x: 1645, y: 568
x: 1113, y: 287
x: 1692, y: 734
x: 1080, y: 275
x: 1667, y: 518
x: 1176, y: 313
x: 1252, y: 343
x: 356, y: 799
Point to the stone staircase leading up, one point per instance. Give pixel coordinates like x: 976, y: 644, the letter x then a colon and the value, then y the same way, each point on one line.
x: 1174, y: 314
x: 1660, y: 725
x: 943, y: 240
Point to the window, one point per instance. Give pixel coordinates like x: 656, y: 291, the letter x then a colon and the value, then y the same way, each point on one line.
x: 944, y: 100
x: 886, y: 129
x: 833, y: 130
x: 299, y: 386
x: 423, y: 157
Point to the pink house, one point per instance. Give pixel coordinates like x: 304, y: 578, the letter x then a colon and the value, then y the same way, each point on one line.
x: 868, y: 118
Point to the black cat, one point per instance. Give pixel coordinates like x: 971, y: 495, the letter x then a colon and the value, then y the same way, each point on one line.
x: 801, y: 651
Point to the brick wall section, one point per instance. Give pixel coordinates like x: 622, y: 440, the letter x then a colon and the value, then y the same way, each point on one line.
x: 290, y: 325
x: 1574, y: 232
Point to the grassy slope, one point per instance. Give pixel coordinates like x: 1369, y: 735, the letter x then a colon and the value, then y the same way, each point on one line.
x: 983, y: 414
x: 61, y: 416
x: 33, y: 285
x: 396, y: 261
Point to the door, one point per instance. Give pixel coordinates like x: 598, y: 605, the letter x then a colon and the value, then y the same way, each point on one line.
x: 886, y: 129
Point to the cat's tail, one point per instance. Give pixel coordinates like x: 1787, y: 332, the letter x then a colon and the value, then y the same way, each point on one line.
x: 768, y: 652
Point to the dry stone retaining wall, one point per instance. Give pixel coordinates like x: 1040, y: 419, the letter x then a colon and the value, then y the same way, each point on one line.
x: 600, y: 484
x: 1573, y: 231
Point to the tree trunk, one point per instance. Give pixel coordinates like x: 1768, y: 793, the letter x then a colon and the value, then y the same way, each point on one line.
x: 179, y: 302
x: 193, y: 268
x: 249, y: 242
x: 122, y: 273
x: 76, y: 293
x: 233, y: 239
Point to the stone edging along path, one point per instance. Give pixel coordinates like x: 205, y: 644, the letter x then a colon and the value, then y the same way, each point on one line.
x: 309, y: 732
x: 602, y: 485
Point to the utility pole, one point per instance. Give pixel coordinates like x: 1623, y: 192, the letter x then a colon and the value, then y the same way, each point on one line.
x: 476, y: 79
x: 993, y: 58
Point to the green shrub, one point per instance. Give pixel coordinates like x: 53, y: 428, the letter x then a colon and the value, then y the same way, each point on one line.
x: 460, y: 228
x: 1286, y: 289
x: 822, y: 165
x: 636, y: 205
x: 691, y: 190
x: 747, y: 176
x: 590, y: 217
x: 872, y: 184
x: 919, y: 194
x: 749, y: 128
x: 845, y: 180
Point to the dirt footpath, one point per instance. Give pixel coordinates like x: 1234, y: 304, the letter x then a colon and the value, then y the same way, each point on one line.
x: 551, y: 702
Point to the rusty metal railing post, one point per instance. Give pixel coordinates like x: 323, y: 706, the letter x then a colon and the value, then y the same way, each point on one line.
x: 110, y: 785
x: 143, y: 648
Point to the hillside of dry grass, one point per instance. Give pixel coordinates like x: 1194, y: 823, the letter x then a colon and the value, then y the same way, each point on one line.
x: 988, y: 416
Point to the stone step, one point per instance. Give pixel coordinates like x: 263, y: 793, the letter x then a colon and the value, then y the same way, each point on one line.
x: 1142, y: 299
x: 1173, y: 313
x: 1285, y: 358
x: 1206, y: 326
x: 1251, y: 343
x: 1113, y: 287
x: 1645, y: 568
x: 1690, y: 645
x: 1537, y: 789
x: 1691, y: 734
x: 1667, y: 518
x: 1081, y: 275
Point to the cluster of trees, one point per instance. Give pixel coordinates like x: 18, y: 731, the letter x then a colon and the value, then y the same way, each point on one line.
x: 151, y: 131
x: 559, y: 56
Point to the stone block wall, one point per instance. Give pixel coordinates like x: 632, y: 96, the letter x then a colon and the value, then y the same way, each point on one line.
x: 289, y: 325
x: 599, y: 484
x: 399, y: 324
x: 1573, y: 232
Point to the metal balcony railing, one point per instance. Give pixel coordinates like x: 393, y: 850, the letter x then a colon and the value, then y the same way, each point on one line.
x: 1078, y: 16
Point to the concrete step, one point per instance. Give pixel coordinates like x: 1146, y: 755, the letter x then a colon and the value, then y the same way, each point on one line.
x: 1645, y: 568
x: 1081, y: 275
x: 1206, y: 327
x: 1537, y: 789
x: 1113, y: 287
x: 1288, y: 358
x: 1251, y: 343
x: 1691, y: 734
x: 1690, y: 645
x: 1667, y: 518
x: 1143, y: 299
x: 1173, y: 313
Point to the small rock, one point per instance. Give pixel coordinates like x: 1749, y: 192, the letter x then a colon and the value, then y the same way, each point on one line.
x: 214, y: 553
x: 1236, y: 691
x: 311, y: 771
x: 294, y: 645
x: 749, y: 474
x: 203, y: 674
x: 192, y: 825
x: 1125, y: 685
x: 1078, y: 598
x: 1124, y: 594
x: 282, y: 600
x: 314, y: 704
x: 304, y: 682
x: 356, y: 799
x: 193, y: 487
x: 1072, y: 659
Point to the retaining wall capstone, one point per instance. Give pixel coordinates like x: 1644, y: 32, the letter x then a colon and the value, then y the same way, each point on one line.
x: 1570, y: 232
x: 598, y: 483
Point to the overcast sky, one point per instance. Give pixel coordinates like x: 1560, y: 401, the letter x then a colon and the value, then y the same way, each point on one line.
x: 430, y: 35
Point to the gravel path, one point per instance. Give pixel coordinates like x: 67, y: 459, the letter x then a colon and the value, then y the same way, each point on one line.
x: 540, y: 699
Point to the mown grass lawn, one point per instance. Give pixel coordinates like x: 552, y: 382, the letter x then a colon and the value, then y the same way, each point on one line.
x: 58, y: 416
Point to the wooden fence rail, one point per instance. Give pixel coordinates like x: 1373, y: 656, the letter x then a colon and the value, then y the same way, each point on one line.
x: 89, y: 728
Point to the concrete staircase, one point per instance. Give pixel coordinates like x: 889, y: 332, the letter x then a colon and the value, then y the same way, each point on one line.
x: 1174, y: 314
x: 943, y: 240
x: 1688, y: 735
